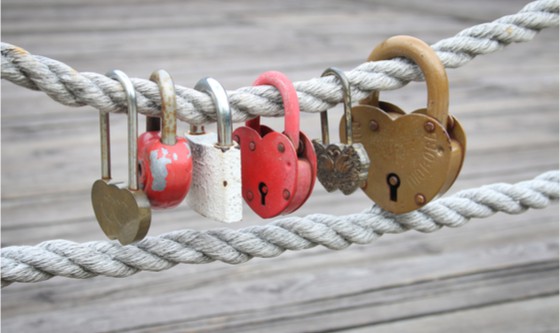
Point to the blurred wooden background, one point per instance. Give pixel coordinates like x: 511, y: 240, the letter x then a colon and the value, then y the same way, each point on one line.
x: 494, y: 275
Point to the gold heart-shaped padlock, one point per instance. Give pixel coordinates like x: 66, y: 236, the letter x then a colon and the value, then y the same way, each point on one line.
x: 414, y: 157
x: 122, y: 210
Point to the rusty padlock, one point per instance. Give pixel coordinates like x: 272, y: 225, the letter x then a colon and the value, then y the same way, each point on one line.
x: 278, y: 170
x: 414, y: 157
x: 216, y: 186
x: 342, y: 166
x: 122, y: 210
x: 165, y: 160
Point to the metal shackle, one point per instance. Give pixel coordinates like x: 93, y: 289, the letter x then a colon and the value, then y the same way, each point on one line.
x: 132, y: 132
x: 223, y: 110
x: 290, y: 100
x: 426, y: 58
x: 347, y: 100
x: 168, y: 106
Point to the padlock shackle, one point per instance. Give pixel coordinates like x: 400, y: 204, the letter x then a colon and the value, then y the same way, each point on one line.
x: 289, y: 99
x: 219, y: 96
x: 168, y: 106
x: 347, y: 99
x: 105, y: 135
x: 430, y: 64
x: 130, y: 92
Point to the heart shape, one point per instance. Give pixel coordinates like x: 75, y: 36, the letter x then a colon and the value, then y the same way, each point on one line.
x: 307, y: 173
x: 122, y: 214
x: 269, y: 170
x: 405, y: 146
x: 341, y: 166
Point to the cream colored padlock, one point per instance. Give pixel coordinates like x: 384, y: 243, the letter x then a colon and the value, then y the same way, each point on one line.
x: 216, y: 180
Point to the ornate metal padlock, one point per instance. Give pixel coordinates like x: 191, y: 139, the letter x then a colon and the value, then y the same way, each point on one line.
x: 278, y: 170
x: 165, y: 160
x: 123, y: 212
x: 417, y: 156
x: 216, y: 186
x: 342, y: 166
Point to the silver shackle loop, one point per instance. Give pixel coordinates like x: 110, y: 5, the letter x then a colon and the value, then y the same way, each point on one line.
x: 132, y: 128
x: 347, y: 99
x: 221, y: 102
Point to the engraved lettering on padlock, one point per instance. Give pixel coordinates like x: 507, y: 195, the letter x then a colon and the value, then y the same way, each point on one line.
x: 122, y: 211
x: 341, y: 166
x: 425, y: 148
x: 165, y: 159
x: 216, y: 188
x: 284, y: 162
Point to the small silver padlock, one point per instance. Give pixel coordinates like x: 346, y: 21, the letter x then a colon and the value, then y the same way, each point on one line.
x: 340, y: 166
x: 216, y: 180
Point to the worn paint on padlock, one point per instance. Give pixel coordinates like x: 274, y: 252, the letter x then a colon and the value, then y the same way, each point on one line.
x: 164, y: 169
x: 216, y: 187
x: 165, y: 160
x: 414, y: 157
x: 122, y: 210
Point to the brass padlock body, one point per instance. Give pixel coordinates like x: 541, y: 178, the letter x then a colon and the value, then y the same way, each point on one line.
x: 414, y: 157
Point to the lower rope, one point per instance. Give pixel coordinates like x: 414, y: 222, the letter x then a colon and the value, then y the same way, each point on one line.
x: 82, y: 261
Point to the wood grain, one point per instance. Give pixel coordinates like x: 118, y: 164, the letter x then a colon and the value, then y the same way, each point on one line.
x: 494, y: 275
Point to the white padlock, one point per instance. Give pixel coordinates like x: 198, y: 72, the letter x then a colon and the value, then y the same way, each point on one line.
x: 216, y: 179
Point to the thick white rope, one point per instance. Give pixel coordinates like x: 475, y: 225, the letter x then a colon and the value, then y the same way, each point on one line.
x: 69, y: 87
x: 65, y: 85
x: 82, y: 261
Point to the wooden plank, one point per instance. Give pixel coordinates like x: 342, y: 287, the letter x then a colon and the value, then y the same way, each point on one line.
x: 311, y: 275
x: 507, y: 101
x: 539, y: 315
x: 279, y: 304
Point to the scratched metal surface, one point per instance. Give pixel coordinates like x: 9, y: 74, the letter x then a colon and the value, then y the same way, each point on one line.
x: 494, y: 275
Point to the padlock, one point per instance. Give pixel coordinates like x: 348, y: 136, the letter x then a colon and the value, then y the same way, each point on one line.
x: 122, y: 210
x: 216, y: 186
x: 342, y: 166
x: 165, y: 160
x: 414, y: 157
x: 278, y: 170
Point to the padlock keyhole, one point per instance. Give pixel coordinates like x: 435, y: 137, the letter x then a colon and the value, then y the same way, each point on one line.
x: 394, y: 182
x: 263, y: 190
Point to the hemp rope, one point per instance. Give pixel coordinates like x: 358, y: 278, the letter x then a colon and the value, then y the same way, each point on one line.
x: 69, y: 87
x: 86, y: 260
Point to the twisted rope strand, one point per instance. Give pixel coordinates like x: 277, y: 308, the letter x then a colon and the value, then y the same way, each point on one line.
x: 69, y: 87
x: 82, y: 261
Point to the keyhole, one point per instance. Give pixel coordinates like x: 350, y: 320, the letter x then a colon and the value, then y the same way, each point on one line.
x: 394, y: 182
x: 263, y: 190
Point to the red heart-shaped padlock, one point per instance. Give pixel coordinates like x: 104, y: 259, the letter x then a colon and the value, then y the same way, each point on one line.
x: 278, y: 170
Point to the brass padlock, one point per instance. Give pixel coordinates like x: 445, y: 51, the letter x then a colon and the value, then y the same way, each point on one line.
x: 122, y: 210
x: 342, y: 166
x: 414, y: 157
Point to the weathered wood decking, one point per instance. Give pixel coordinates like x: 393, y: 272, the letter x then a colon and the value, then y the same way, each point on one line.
x: 493, y: 275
